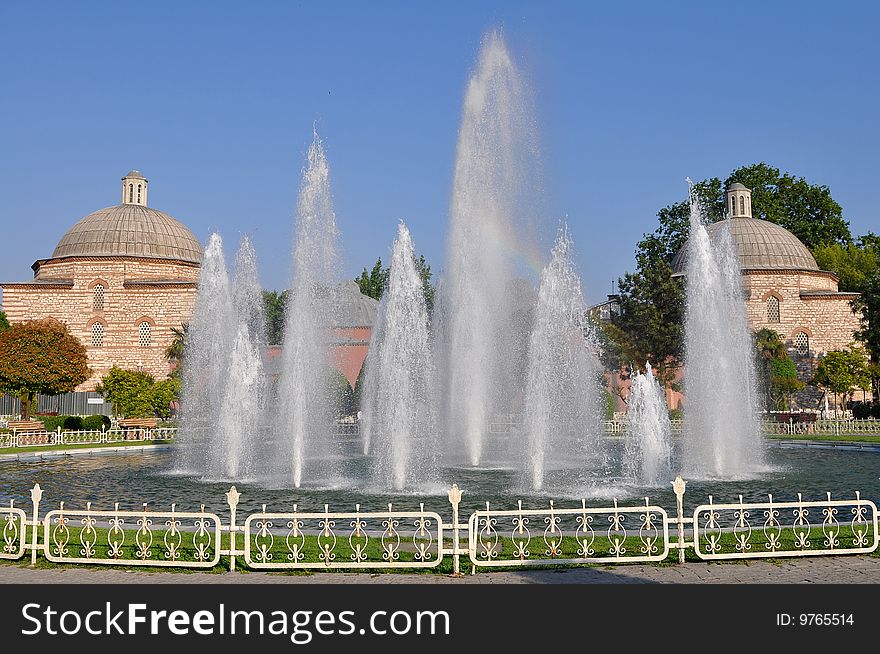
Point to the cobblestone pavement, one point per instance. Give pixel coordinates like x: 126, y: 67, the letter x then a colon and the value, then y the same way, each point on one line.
x: 824, y: 570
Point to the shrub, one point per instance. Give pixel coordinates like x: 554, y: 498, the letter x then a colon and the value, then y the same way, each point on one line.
x: 94, y: 423
x: 51, y: 422
x: 72, y: 423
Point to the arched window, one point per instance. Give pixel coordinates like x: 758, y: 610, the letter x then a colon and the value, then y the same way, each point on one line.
x: 145, y: 334
x: 802, y: 343
x: 742, y: 205
x: 98, y: 334
x: 98, y: 298
x: 131, y: 192
x: 732, y: 205
x: 773, y: 309
x: 139, y: 193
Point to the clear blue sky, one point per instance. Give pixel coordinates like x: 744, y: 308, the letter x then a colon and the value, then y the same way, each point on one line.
x: 214, y: 102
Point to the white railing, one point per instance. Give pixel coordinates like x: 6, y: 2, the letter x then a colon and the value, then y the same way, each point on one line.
x: 86, y: 437
x: 568, y: 536
x: 784, y: 529
x: 411, y: 539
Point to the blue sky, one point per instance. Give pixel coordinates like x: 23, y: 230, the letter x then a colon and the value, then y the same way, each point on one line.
x: 215, y: 103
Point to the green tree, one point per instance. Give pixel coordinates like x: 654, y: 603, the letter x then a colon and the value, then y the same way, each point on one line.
x: 853, y: 263
x: 843, y: 371
x: 274, y: 307
x: 373, y: 283
x: 174, y: 352
x: 162, y: 394
x: 130, y: 391
x: 867, y: 305
x: 4, y: 322
x: 784, y: 382
x: 649, y: 326
x: 40, y: 357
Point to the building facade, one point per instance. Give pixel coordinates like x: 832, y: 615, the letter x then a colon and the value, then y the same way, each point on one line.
x: 784, y: 289
x: 121, y: 279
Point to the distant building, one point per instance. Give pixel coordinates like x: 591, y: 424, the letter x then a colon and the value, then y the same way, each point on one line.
x: 121, y: 279
x: 784, y: 288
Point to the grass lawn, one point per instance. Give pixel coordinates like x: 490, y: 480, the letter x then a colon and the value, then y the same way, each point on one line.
x: 853, y: 438
x: 79, y: 446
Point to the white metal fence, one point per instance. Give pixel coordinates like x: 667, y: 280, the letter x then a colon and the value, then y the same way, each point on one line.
x: 414, y: 539
x: 86, y: 437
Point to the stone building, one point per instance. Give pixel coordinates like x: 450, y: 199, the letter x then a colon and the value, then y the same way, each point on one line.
x: 121, y: 279
x: 785, y: 289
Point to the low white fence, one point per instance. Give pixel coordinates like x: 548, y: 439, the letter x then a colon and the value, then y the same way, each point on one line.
x: 418, y: 539
x: 86, y: 436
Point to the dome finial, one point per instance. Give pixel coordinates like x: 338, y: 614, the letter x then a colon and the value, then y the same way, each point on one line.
x: 134, y: 188
x: 738, y: 201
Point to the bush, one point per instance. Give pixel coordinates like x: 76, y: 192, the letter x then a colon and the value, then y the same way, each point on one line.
x: 94, y: 423
x: 72, y: 423
x: 676, y: 414
x: 861, y: 410
x: 51, y: 423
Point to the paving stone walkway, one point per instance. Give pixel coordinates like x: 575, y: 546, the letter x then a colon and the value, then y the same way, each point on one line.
x: 820, y: 570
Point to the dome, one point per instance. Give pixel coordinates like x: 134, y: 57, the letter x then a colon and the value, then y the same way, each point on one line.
x: 130, y: 230
x: 761, y: 245
x: 355, y: 308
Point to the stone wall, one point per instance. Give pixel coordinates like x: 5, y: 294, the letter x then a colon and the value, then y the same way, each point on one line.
x: 808, y: 303
x: 125, y: 305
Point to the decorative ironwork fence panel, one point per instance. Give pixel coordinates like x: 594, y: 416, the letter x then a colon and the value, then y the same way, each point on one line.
x: 132, y: 538
x: 785, y: 529
x: 13, y: 523
x: 554, y: 536
x: 332, y: 540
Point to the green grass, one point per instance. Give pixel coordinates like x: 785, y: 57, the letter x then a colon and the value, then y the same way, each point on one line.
x: 855, y: 438
x: 567, y: 548
x: 79, y: 446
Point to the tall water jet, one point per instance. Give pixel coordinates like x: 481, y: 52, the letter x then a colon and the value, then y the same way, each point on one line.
x: 560, y: 420
x: 207, y: 343
x: 305, y: 402
x: 237, y: 448
x: 398, y: 423
x: 722, y: 434
x: 223, y: 380
x: 492, y: 193
x: 648, y: 446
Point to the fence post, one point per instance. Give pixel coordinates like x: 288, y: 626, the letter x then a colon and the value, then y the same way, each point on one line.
x: 36, y: 496
x: 454, y: 499
x: 232, y: 500
x: 678, y: 487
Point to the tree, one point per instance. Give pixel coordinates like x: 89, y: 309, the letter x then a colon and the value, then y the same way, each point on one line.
x: 4, y: 322
x: 274, y: 307
x: 853, y: 263
x: 784, y: 382
x: 130, y: 391
x: 174, y: 352
x: 162, y: 394
x: 806, y: 210
x: 40, y: 356
x: 843, y: 371
x: 373, y: 284
x: 650, y: 322
x: 867, y: 305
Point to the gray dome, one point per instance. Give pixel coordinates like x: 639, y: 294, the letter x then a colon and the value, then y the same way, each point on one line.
x: 130, y: 230
x: 761, y: 245
x: 355, y: 308
x: 135, y: 173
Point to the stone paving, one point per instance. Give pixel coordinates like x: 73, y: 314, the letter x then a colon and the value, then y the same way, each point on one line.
x: 820, y: 570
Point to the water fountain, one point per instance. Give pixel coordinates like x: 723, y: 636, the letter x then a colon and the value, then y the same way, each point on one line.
x: 492, y: 190
x: 223, y: 380
x: 398, y: 425
x: 305, y: 412
x: 648, y: 446
x: 560, y: 415
x: 722, y: 434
